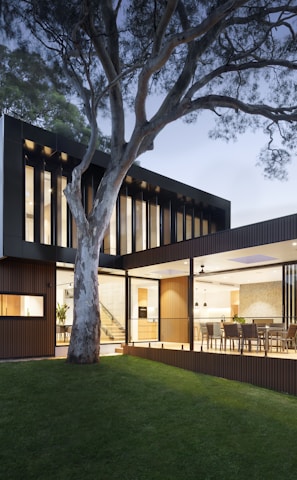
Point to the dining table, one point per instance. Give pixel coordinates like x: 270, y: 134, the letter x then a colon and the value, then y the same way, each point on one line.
x: 270, y: 333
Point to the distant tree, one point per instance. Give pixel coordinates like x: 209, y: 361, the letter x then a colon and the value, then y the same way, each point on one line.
x: 235, y: 58
x: 33, y: 91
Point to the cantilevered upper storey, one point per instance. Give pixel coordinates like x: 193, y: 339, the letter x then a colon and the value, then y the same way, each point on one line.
x: 36, y: 223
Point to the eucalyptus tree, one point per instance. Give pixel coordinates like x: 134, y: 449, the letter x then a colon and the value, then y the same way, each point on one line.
x: 235, y: 58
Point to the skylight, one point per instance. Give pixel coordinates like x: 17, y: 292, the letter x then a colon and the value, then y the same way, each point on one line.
x: 253, y: 259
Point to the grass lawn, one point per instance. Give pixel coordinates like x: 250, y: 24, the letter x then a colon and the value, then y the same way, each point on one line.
x: 134, y: 419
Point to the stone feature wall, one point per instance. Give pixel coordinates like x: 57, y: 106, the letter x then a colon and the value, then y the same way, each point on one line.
x: 261, y: 300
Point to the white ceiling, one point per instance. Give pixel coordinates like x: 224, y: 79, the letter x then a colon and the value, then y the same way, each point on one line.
x: 221, y: 269
x: 250, y: 265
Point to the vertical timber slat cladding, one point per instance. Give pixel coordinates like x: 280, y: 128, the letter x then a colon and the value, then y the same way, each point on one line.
x: 174, y: 309
x: 22, y: 337
x: 277, y: 374
x: 275, y: 230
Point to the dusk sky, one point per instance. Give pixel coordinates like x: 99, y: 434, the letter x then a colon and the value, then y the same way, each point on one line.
x: 184, y: 152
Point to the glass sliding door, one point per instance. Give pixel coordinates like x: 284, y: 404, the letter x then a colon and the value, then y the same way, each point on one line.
x: 144, y: 321
x: 64, y: 296
x: 112, y: 308
x: 290, y: 293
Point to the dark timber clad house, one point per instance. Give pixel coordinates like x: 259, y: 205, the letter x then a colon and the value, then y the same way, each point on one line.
x: 169, y: 259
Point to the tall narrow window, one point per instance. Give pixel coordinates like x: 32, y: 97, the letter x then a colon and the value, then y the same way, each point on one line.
x: 126, y: 224
x: 140, y: 231
x: 197, y: 228
x: 110, y: 239
x: 180, y: 225
x: 213, y: 227
x: 205, y: 227
x: 166, y: 225
x: 189, y: 217
x: 154, y: 225
x: 64, y: 213
x: 47, y: 204
x: 62, y: 218
x: 29, y: 204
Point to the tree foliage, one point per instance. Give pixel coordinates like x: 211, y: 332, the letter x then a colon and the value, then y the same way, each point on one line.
x: 30, y: 91
x: 34, y: 91
x: 236, y: 58
x: 215, y: 55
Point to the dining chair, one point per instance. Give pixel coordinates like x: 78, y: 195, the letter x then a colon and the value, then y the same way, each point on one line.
x: 249, y: 335
x: 203, y: 333
x: 289, y: 337
x: 231, y: 333
x: 275, y: 335
x: 214, y: 333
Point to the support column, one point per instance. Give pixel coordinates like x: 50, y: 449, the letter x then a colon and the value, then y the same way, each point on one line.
x: 191, y: 304
x: 159, y: 311
x: 127, y: 308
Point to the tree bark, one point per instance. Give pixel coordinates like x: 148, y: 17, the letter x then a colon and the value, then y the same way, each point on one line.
x: 84, y: 347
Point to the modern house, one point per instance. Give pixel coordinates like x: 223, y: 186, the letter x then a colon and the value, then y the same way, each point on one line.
x: 169, y: 259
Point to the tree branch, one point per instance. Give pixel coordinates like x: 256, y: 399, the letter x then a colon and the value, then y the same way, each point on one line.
x: 161, y: 29
x: 156, y: 62
x: 252, y: 65
x: 108, y: 55
x: 211, y: 102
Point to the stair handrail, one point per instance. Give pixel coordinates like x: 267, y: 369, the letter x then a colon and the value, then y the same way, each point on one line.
x: 107, y: 332
x: 112, y: 318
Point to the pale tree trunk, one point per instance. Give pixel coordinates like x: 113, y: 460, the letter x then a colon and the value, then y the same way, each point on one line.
x: 85, y: 336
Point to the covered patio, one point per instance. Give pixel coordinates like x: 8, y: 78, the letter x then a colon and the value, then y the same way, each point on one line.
x: 249, y: 273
